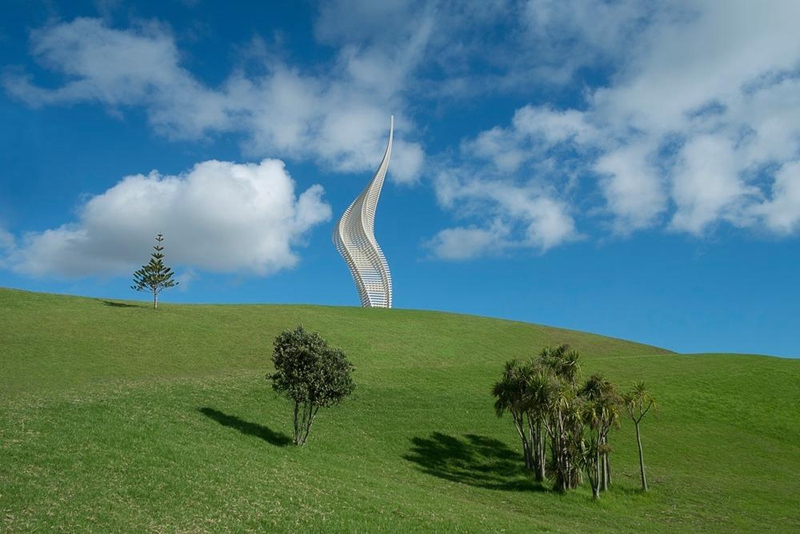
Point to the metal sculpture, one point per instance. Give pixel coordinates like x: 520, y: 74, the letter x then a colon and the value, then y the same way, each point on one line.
x: 354, y: 238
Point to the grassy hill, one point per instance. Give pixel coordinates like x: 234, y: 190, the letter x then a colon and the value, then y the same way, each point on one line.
x: 116, y: 417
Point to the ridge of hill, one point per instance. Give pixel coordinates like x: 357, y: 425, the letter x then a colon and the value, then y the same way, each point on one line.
x: 62, y: 340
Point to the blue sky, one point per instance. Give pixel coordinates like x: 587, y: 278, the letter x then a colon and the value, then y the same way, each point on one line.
x: 629, y: 168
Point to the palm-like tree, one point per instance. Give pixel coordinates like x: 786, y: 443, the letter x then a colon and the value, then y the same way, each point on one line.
x: 601, y: 413
x: 540, y: 400
x: 510, y: 396
x: 565, y: 427
x: 638, y: 401
x: 564, y: 362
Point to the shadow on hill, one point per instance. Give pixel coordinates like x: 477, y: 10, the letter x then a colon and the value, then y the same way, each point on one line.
x: 119, y: 304
x: 475, y: 460
x: 247, y: 428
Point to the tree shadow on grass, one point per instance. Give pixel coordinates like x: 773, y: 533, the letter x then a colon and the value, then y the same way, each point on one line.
x: 247, y: 428
x: 119, y: 304
x: 474, y: 460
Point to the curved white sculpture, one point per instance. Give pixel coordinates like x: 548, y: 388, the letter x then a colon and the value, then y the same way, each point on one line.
x: 354, y: 238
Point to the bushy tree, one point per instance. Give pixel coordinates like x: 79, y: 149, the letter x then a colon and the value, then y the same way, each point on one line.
x: 311, y: 374
x: 155, y: 276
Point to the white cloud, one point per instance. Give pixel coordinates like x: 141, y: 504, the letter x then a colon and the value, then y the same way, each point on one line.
x: 705, y: 185
x: 720, y: 84
x: 467, y: 243
x: 554, y: 126
x: 508, y: 216
x: 123, y: 68
x: 633, y: 188
x: 682, y: 115
x: 520, y: 221
x: 781, y: 214
x: 549, y: 223
x: 338, y: 119
x: 219, y: 216
x: 534, y: 131
x: 705, y: 55
x: 698, y: 125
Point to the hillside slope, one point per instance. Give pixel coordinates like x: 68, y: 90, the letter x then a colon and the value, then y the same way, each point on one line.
x: 117, y: 417
x: 61, y: 341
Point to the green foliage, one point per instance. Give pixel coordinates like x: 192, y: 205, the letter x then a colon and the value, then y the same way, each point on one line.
x: 544, y: 400
x: 511, y: 394
x: 155, y: 276
x: 602, y: 408
x: 311, y: 374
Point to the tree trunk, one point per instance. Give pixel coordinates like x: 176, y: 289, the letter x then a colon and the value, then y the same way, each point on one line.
x: 598, y: 472
x: 519, y: 424
x: 526, y: 452
x: 541, y: 474
x: 605, y: 481
x: 155, y: 300
x: 641, y: 458
x: 296, y: 424
x: 533, y: 452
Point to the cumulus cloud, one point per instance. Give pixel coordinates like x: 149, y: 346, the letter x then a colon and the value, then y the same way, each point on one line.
x: 219, y: 217
x: 781, y: 213
x: 705, y: 106
x: 632, y: 186
x: 508, y: 216
x: 706, y: 186
x: 122, y: 68
x: 677, y: 115
x: 698, y: 125
x: 466, y: 243
x: 339, y: 119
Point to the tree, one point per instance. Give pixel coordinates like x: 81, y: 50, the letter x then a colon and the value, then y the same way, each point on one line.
x: 510, y: 393
x: 564, y: 363
x: 311, y: 374
x: 638, y: 402
x: 553, y: 412
x: 155, y: 276
x: 564, y: 421
x: 522, y: 391
x: 538, y: 401
x: 601, y: 412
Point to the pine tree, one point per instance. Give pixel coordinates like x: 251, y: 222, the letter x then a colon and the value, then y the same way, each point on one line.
x: 155, y: 276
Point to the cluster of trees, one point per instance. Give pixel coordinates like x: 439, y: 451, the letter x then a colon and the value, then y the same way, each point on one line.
x: 563, y: 423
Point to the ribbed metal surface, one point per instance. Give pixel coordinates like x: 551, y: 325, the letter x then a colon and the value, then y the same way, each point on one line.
x: 354, y: 238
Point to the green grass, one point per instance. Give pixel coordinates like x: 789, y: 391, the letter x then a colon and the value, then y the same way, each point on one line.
x: 116, y: 417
